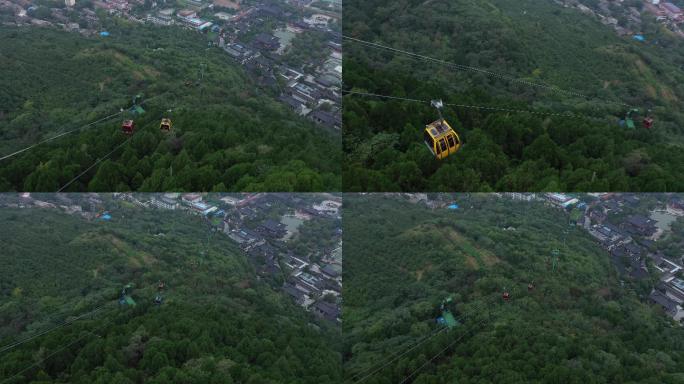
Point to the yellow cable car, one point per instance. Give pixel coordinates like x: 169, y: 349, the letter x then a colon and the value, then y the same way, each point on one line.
x: 165, y: 125
x: 440, y: 138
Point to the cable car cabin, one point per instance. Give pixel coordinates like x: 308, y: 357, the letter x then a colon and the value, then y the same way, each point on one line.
x: 158, y: 299
x: 630, y: 124
x: 506, y: 296
x: 128, y: 127
x: 648, y: 123
x: 441, y: 139
x: 448, y: 319
x: 165, y: 125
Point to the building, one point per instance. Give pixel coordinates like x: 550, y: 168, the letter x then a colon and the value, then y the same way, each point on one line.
x: 298, y: 296
x: 164, y: 203
x: 223, y: 16
x: 326, y: 310
x: 267, y: 42
x: 191, y: 198
x: 160, y: 19
x: 231, y: 200
x: 640, y: 225
x: 202, y: 208
x: 668, y: 305
x: 295, y: 105
x: 328, y: 207
x: 672, y: 11
x: 607, y: 234
x: 326, y: 118
x: 561, y: 200
x: 272, y: 229
x: 656, y: 11
x: 676, y: 204
x: 186, y: 14
x: 245, y: 237
x: 331, y: 270
x: 270, y: 10
x: 238, y: 52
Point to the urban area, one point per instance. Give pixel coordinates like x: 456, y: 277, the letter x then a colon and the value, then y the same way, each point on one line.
x: 293, y: 240
x: 292, y: 48
x: 627, y: 17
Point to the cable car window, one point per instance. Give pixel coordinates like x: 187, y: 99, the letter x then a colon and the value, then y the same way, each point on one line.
x: 429, y: 141
x: 443, y: 144
x: 438, y: 150
x: 452, y: 141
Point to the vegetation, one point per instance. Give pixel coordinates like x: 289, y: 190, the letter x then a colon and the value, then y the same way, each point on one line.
x: 228, y: 135
x: 578, y: 324
x: 542, y: 43
x: 308, y: 47
x: 218, y: 323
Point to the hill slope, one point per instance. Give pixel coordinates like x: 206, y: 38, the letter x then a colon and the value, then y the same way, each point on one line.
x: 577, y: 324
x: 218, y: 323
x: 228, y: 134
x: 536, y: 42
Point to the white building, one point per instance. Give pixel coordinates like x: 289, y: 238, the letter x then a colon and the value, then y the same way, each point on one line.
x: 164, y: 203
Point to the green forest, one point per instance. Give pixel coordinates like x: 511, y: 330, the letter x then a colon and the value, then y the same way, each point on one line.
x: 576, y: 323
x: 586, y: 73
x: 218, y: 322
x: 228, y: 134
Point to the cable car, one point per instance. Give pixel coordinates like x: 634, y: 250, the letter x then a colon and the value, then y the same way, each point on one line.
x: 446, y: 317
x: 530, y: 286
x: 125, y: 297
x: 506, y: 295
x: 632, y: 116
x: 439, y: 137
x: 648, y: 123
x: 128, y: 127
x: 161, y: 285
x: 158, y: 299
x: 648, y: 120
x: 165, y: 125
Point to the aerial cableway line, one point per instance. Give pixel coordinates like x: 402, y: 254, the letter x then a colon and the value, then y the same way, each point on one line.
x: 480, y: 107
x: 62, y: 134
x: 395, y: 357
x: 53, y: 328
x: 461, y: 67
x: 100, y: 159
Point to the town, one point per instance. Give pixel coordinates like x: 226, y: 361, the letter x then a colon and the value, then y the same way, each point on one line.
x: 290, y: 48
x: 627, y: 17
x: 293, y: 241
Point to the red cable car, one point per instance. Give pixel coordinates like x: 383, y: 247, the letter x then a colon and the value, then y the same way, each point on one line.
x: 506, y: 296
x: 128, y: 127
x: 648, y: 123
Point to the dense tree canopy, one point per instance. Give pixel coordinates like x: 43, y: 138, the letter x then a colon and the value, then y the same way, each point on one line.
x: 228, y: 134
x: 578, y: 324
x: 218, y: 323
x: 540, y: 43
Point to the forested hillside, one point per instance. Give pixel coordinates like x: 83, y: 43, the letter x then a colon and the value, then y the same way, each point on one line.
x: 218, y: 323
x: 524, y: 55
x: 228, y: 135
x: 575, y: 324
